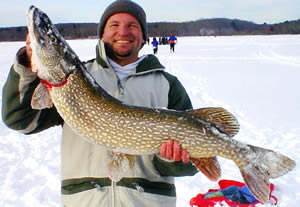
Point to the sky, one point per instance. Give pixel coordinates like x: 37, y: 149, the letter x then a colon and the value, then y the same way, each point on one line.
x: 13, y: 12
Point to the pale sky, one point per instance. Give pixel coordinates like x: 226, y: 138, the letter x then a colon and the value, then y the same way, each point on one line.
x: 13, y: 12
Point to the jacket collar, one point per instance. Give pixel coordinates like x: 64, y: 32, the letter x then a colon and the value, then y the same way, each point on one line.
x: 149, y: 63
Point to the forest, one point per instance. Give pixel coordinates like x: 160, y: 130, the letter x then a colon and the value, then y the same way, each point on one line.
x: 201, y: 27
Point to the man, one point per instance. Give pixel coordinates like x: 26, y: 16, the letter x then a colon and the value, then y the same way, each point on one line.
x: 139, y: 81
x: 154, y: 45
x: 172, y: 42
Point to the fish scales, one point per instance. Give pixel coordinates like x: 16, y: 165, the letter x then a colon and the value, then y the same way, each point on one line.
x: 95, y: 115
x: 131, y: 129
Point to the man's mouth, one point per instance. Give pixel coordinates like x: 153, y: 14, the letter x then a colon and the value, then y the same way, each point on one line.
x: 123, y: 41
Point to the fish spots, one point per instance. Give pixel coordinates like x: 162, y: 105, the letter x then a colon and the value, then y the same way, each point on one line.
x: 180, y: 118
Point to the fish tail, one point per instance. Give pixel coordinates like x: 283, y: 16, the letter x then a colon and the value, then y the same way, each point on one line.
x: 260, y: 165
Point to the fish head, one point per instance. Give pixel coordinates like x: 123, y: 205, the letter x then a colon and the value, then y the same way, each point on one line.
x: 52, y: 57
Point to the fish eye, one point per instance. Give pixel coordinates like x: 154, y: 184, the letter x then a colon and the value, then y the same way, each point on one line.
x: 52, y: 38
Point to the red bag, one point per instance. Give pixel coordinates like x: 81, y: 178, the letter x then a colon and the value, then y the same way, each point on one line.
x: 199, y: 200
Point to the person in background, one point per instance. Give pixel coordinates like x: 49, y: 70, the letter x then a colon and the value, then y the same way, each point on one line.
x: 134, y: 80
x: 172, y: 42
x: 154, y: 45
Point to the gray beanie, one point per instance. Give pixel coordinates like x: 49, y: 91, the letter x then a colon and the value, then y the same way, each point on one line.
x: 124, y: 6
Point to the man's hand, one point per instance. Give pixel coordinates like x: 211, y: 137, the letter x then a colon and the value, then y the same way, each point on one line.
x: 32, y: 65
x: 28, y: 50
x: 172, y: 151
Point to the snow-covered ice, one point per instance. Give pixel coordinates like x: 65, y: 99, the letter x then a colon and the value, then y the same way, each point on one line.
x: 257, y: 78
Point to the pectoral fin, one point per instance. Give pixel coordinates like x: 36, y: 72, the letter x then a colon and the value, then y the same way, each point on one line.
x: 119, y: 164
x: 209, y: 166
x: 131, y: 160
x: 41, y: 98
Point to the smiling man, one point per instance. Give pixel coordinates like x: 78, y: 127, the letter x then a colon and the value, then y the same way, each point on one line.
x: 123, y: 37
x: 134, y: 80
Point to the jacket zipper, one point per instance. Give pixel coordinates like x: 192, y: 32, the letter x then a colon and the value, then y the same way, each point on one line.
x: 113, y: 194
x: 120, y: 87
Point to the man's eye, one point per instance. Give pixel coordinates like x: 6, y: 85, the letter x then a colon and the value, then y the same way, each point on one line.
x: 133, y: 25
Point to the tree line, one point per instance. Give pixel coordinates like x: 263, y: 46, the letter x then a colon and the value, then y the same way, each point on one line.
x: 201, y: 27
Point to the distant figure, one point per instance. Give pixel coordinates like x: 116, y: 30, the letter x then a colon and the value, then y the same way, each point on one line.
x: 148, y: 40
x: 155, y: 45
x: 172, y: 41
x: 164, y: 41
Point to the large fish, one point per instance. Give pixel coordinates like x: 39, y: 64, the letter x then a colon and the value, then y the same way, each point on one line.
x: 103, y: 120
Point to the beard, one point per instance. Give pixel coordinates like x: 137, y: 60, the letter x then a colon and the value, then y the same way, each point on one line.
x: 123, y: 54
x: 117, y: 53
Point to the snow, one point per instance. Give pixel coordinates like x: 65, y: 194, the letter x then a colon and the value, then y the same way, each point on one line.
x: 257, y: 78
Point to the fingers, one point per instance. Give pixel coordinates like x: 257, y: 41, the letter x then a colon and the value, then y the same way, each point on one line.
x: 163, y: 149
x: 185, y: 156
x: 169, y: 153
x: 28, y: 49
x: 172, y: 151
x: 177, y: 151
x: 27, y: 40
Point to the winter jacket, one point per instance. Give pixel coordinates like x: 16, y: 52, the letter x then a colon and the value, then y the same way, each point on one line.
x: 84, y: 165
x: 154, y: 43
x: 172, y: 39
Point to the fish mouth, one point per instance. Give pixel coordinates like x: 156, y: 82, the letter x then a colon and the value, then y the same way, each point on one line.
x: 44, y: 31
x: 40, y: 25
x: 50, y: 49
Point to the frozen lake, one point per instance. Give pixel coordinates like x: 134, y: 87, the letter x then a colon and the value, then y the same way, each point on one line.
x: 257, y: 78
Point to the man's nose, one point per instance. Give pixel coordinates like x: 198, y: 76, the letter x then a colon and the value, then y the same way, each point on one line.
x: 123, y: 30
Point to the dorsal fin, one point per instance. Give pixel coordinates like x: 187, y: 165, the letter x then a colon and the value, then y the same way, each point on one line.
x: 218, y: 117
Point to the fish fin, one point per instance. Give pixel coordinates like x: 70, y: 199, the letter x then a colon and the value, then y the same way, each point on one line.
x: 275, y: 163
x: 41, y: 98
x: 261, y: 166
x: 209, y: 166
x: 220, y: 118
x: 119, y: 164
x: 257, y: 181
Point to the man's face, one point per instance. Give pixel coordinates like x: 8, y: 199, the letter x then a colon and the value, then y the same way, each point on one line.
x: 123, y: 38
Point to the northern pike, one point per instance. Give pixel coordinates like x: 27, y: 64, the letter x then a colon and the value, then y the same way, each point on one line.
x: 102, y: 119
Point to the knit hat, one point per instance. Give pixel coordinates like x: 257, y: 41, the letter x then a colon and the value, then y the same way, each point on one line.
x: 124, y: 6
